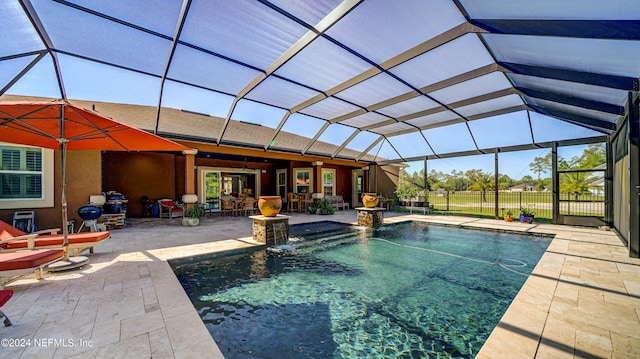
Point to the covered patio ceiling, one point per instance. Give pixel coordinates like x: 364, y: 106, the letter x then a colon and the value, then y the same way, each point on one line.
x: 377, y: 80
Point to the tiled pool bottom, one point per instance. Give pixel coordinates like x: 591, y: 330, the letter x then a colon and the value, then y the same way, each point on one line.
x: 405, y: 290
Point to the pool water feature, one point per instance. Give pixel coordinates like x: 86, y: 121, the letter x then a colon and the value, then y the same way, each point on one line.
x: 408, y: 290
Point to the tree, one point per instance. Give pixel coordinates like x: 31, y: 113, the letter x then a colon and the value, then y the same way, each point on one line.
x: 579, y: 183
x: 410, y: 185
x: 480, y: 181
x: 435, y: 180
x: 593, y: 156
x: 526, y: 179
x: 541, y: 165
x: 576, y: 183
x: 504, y: 182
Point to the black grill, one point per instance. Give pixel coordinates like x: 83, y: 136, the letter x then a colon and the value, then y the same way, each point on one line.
x: 115, y: 204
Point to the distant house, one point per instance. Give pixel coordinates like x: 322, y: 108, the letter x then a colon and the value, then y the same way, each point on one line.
x: 596, y: 181
x: 524, y: 187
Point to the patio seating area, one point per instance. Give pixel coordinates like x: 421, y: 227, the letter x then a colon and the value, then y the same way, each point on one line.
x: 239, y: 206
x: 583, y: 298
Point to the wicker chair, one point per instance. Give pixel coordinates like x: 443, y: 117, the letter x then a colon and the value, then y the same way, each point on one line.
x: 249, y: 206
x: 228, y: 207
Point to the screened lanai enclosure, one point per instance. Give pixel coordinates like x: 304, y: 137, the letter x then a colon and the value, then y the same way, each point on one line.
x: 384, y: 82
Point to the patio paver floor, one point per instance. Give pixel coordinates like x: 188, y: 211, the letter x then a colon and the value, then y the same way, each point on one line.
x: 582, y: 300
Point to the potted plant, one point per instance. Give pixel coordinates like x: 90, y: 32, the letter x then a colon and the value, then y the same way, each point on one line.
x: 419, y: 198
x: 192, y: 215
x: 526, y: 215
x: 393, y: 202
x: 406, y: 193
x: 508, y: 216
x: 325, y: 207
x: 312, y: 209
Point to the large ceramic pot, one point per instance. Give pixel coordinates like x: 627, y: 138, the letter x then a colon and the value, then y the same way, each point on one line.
x: 370, y: 200
x: 526, y: 218
x: 269, y: 206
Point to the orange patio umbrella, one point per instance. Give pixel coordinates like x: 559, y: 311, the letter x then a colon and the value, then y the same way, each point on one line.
x: 60, y: 125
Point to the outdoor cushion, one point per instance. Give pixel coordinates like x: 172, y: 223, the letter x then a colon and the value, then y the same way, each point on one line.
x: 169, y: 208
x: 28, y: 259
x: 5, y: 295
x: 8, y: 231
x: 171, y: 205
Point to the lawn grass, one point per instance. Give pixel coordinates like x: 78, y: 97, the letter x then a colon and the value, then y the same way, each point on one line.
x: 476, y: 204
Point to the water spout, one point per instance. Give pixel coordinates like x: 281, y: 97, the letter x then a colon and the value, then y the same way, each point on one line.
x: 280, y: 233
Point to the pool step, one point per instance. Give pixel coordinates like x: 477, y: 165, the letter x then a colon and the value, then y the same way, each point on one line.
x: 311, y: 241
x: 311, y: 246
x: 314, y: 236
x: 318, y: 230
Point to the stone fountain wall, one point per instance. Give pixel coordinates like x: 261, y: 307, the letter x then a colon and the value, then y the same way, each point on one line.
x: 370, y: 217
x: 271, y: 230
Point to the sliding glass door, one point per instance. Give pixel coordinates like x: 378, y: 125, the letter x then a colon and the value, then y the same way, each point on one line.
x: 215, y: 183
x: 212, y: 189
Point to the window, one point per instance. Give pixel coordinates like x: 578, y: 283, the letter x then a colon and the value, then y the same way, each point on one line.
x: 26, y: 177
x: 21, y: 172
x: 281, y: 183
x: 329, y: 182
x: 303, y: 180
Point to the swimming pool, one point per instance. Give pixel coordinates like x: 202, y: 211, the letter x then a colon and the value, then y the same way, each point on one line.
x: 407, y: 290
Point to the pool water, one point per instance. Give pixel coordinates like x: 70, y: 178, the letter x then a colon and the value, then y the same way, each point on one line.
x: 408, y: 290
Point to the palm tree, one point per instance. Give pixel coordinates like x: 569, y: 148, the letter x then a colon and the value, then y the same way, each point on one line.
x: 576, y: 183
x: 480, y: 181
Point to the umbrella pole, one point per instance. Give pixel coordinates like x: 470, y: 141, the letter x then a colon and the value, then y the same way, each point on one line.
x: 63, y: 197
x: 67, y: 262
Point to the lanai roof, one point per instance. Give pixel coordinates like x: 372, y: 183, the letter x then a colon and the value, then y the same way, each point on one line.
x: 379, y: 80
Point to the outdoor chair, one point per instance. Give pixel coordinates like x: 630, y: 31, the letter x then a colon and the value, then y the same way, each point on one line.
x: 169, y: 208
x: 15, y: 264
x: 25, y: 221
x: 13, y: 239
x: 249, y: 206
x: 228, y: 207
x: 338, y: 202
x: 293, y: 203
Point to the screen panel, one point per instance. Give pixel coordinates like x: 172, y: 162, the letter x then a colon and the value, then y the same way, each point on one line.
x: 322, y: 65
x: 195, y: 99
x: 15, y: 25
x: 444, y: 61
x: 394, y: 29
x: 329, y: 108
x: 39, y: 81
x: 453, y: 138
x: 410, y: 145
x: 280, y: 92
x: 549, y: 129
x: 366, y: 119
x: 198, y: 68
x: 504, y: 130
x: 97, y: 38
x: 87, y: 80
x: 246, y: 31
